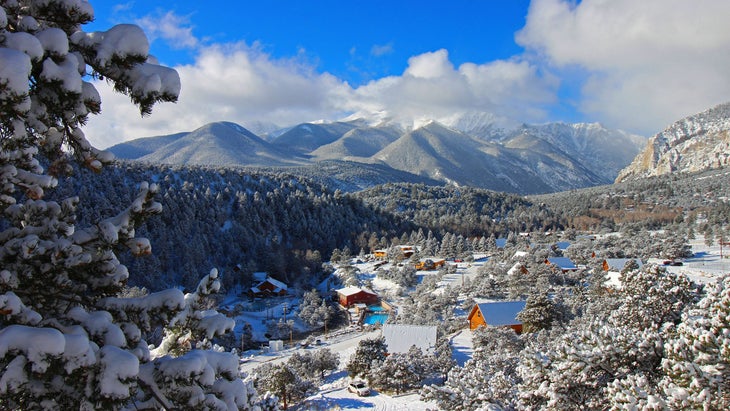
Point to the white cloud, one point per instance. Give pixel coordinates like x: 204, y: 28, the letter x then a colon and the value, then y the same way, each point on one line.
x: 431, y: 87
x: 234, y: 83
x: 641, y: 64
x: 648, y: 63
x: 379, y: 50
x: 241, y: 83
x: 174, y: 29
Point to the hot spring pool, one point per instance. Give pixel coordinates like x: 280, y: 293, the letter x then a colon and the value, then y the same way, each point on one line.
x: 376, y: 314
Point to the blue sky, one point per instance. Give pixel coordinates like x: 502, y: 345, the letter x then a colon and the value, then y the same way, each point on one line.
x: 356, y: 41
x: 632, y: 65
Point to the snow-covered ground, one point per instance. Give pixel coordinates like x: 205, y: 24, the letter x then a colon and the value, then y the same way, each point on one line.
x: 462, y: 346
x: 343, y: 344
x: 706, y: 265
x: 341, y: 399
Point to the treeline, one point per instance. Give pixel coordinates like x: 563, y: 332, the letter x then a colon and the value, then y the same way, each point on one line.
x: 238, y: 221
x: 247, y: 220
x: 243, y: 220
x: 465, y: 211
x: 650, y: 203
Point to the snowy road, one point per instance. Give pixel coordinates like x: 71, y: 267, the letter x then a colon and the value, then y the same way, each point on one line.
x: 341, y: 399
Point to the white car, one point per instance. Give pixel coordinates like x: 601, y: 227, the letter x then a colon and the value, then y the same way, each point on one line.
x: 359, y: 388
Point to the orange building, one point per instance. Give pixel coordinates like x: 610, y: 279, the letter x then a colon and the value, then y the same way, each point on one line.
x: 497, y: 314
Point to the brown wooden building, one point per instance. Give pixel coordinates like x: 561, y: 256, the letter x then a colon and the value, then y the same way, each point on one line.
x: 353, y: 295
x: 497, y: 313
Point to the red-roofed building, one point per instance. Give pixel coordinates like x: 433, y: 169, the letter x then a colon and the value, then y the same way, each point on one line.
x: 268, y: 288
x: 353, y: 295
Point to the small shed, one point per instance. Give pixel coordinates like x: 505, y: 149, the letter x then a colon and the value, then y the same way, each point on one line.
x: 496, y: 313
x: 401, y: 337
x: 353, y: 295
x: 276, y: 345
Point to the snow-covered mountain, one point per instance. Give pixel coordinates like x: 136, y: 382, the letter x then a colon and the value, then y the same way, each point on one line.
x: 695, y: 143
x: 358, y: 144
x: 448, y: 155
x: 218, y: 144
x: 528, y: 159
x: 479, y: 124
x: 603, y: 151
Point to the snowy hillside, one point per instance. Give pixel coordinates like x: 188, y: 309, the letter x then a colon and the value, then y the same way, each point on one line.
x: 695, y: 143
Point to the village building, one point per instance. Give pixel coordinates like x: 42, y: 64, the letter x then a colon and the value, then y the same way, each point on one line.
x: 430, y: 263
x: 349, y: 296
x: 618, y: 264
x: 497, y: 314
x: 518, y: 269
x: 406, y: 251
x: 562, y: 245
x: 269, y: 287
x: 613, y: 268
x: 565, y: 264
x: 401, y: 337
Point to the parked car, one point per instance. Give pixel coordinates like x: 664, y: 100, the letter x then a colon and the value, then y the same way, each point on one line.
x: 359, y: 387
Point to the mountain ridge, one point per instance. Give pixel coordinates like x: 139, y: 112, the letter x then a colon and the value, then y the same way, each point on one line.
x: 525, y: 160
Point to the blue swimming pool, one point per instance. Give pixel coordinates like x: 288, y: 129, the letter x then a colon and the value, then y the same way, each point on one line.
x: 376, y: 314
x: 372, y: 318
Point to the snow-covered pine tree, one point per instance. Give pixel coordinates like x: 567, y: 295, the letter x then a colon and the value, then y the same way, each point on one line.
x: 282, y: 381
x: 539, y: 312
x: 488, y: 379
x: 400, y: 371
x: 697, y: 363
x: 370, y: 353
x: 66, y: 340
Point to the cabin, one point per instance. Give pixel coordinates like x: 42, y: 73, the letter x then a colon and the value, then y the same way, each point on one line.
x: 500, y: 242
x: 565, y: 264
x: 401, y: 337
x: 618, y: 264
x: 269, y: 287
x: 430, y: 263
x: 519, y: 255
x: 380, y: 254
x: 406, y: 252
x: 612, y: 268
x: 497, y: 314
x: 562, y: 245
x: 518, y: 269
x: 349, y: 296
